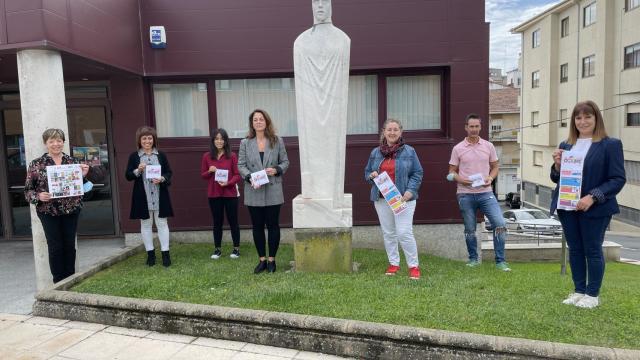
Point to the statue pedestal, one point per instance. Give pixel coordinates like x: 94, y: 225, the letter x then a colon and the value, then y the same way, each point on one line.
x: 322, y: 235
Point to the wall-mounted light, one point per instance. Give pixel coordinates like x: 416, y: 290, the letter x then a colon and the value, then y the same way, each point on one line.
x: 157, y: 37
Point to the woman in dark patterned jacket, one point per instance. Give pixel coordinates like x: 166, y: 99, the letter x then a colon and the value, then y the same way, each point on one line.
x: 59, y: 216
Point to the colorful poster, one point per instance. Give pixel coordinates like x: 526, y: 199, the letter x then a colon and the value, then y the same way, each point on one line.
x: 570, y: 179
x: 65, y: 180
x: 390, y: 193
x: 89, y: 155
x: 222, y: 175
x: 153, y: 172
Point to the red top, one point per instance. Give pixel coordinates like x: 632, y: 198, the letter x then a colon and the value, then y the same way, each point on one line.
x: 389, y: 165
x: 214, y: 189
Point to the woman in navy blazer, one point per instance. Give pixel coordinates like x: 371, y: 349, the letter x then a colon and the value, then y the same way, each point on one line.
x: 602, y: 179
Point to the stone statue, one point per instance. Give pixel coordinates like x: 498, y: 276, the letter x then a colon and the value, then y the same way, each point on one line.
x: 321, y: 68
x: 322, y: 215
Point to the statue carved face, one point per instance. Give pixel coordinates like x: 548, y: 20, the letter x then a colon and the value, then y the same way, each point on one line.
x: 321, y: 11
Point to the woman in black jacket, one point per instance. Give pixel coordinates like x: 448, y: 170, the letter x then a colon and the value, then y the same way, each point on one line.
x: 150, y: 197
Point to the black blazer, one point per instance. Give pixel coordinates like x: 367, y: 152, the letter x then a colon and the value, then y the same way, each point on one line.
x: 139, y: 208
x: 603, y: 176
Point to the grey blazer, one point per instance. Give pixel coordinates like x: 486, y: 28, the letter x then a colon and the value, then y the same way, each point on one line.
x: 249, y: 162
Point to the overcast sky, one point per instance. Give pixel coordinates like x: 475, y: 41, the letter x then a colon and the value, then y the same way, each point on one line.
x: 503, y: 16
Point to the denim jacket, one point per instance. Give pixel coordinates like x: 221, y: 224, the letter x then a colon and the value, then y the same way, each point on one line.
x: 408, y: 171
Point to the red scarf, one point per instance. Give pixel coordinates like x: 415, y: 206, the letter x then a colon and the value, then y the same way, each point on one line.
x: 390, y: 151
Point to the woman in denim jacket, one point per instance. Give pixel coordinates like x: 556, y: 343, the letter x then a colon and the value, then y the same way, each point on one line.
x: 403, y: 167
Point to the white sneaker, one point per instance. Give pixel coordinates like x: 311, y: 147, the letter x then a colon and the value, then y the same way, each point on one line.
x: 572, y: 299
x: 588, y: 302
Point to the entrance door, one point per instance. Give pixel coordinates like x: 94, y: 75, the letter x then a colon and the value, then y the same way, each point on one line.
x: 88, y: 142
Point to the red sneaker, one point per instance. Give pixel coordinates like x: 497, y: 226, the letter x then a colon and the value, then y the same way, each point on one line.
x: 392, y: 270
x: 414, y: 273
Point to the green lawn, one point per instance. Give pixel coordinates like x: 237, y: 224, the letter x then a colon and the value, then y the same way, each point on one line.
x: 525, y: 303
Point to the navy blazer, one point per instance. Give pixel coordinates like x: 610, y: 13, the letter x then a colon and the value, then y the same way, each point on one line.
x: 603, y: 176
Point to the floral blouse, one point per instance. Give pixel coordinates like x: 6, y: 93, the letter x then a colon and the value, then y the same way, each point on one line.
x: 36, y: 182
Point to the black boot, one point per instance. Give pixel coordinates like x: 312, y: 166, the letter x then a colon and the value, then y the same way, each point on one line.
x: 271, y: 266
x: 262, y: 266
x: 166, y: 259
x: 151, y: 257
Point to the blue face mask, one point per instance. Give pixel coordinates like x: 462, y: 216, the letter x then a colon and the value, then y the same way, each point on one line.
x: 86, y: 187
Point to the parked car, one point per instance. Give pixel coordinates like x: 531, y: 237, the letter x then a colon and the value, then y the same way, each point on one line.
x: 512, y: 199
x: 529, y: 220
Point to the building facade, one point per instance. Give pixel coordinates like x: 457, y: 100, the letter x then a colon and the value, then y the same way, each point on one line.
x: 424, y: 63
x: 504, y: 124
x: 580, y: 50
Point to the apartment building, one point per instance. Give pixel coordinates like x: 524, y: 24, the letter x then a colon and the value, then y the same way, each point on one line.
x: 579, y: 50
x: 504, y: 121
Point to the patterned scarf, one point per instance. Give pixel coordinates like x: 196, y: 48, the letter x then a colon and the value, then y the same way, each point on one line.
x: 390, y: 151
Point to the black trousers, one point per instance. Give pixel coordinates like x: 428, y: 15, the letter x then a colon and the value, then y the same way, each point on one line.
x: 269, y: 216
x: 219, y: 206
x: 60, y: 232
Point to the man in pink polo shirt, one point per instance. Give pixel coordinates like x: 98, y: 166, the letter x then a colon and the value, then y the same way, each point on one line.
x: 474, y: 165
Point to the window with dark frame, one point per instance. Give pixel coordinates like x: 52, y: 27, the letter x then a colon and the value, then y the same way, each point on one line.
x: 564, y: 73
x: 632, y: 56
x: 633, y: 119
x: 563, y: 118
x: 632, y: 171
x: 588, y: 66
x: 535, y: 79
x: 564, y: 27
x: 535, y: 38
x: 631, y: 4
x: 415, y: 99
x: 589, y: 14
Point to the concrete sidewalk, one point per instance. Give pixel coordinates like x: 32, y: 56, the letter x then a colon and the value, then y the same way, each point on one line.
x: 17, y: 269
x: 27, y: 337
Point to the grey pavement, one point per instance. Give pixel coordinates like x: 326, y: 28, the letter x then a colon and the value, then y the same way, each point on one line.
x: 17, y: 269
x: 27, y: 337
x: 630, y: 245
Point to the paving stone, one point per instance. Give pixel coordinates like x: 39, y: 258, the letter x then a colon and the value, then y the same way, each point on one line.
x: 85, y: 326
x: 184, y: 339
x: 63, y: 341
x: 196, y: 352
x: 101, y: 345
x: 222, y: 344
x: 46, y: 321
x: 128, y: 332
x: 149, y: 349
x: 305, y: 355
x: 14, y: 317
x: 28, y: 355
x: 27, y: 336
x: 252, y: 356
x: 7, y: 323
x: 270, y: 350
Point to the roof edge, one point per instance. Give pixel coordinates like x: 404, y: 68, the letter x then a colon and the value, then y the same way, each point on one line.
x: 554, y: 9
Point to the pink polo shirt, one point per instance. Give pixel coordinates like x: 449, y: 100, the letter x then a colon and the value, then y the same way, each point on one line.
x: 473, y: 159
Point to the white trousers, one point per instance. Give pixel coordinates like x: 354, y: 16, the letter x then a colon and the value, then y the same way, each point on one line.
x: 146, y: 230
x: 398, y: 229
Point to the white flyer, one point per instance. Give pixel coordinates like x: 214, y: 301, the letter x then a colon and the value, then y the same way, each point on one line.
x: 477, y: 180
x: 260, y: 177
x: 65, y: 180
x: 390, y: 193
x: 153, y: 171
x: 222, y: 175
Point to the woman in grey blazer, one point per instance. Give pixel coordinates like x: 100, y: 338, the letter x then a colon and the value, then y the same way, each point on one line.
x: 263, y: 150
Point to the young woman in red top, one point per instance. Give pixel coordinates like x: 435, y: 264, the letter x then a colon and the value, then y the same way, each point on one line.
x: 223, y: 195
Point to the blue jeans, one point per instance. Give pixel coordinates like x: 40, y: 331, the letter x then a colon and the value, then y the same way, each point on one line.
x: 485, y: 202
x: 585, y: 237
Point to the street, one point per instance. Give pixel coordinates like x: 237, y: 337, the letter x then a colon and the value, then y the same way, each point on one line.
x: 630, y: 245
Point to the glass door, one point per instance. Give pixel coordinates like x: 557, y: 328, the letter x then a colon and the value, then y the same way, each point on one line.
x: 88, y: 142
